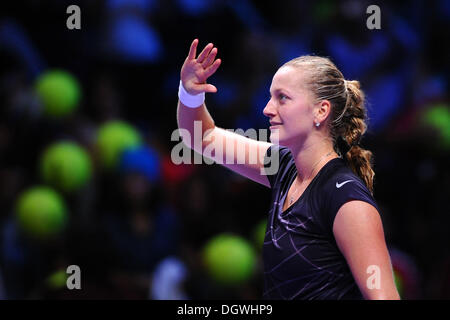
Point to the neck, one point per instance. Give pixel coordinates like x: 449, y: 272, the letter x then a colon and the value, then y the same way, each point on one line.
x: 311, y: 157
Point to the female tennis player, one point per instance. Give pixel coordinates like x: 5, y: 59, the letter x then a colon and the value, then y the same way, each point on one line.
x: 324, y: 238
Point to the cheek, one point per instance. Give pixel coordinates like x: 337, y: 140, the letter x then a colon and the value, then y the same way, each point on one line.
x: 301, y: 113
x: 297, y: 122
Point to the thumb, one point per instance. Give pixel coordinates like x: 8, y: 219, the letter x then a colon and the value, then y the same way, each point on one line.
x: 210, y: 88
x: 206, y: 87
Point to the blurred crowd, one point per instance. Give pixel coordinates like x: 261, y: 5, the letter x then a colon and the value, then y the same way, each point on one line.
x: 137, y: 231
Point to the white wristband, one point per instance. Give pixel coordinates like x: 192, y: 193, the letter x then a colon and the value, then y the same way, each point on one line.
x: 189, y: 100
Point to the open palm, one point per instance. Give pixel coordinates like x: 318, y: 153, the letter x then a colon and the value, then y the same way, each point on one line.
x: 195, y: 71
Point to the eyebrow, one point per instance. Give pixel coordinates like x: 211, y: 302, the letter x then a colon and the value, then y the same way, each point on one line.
x: 278, y: 90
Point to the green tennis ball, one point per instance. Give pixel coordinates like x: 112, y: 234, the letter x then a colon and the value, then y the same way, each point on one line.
x: 66, y: 165
x: 259, y: 233
x: 113, y: 138
x: 57, y: 280
x: 229, y: 259
x: 59, y: 92
x: 41, y: 212
x: 438, y: 117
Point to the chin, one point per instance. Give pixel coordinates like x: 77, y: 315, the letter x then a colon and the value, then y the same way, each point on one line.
x: 279, y: 141
x: 284, y: 140
x: 275, y: 136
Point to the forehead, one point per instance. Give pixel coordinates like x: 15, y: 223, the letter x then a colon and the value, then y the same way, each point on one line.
x: 288, y: 78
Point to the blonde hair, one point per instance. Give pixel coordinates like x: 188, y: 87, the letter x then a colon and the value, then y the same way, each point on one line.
x: 348, y: 112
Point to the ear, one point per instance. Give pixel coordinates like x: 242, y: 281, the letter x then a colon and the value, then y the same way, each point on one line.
x: 322, y: 111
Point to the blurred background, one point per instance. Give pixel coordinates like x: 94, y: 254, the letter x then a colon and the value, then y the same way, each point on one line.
x: 87, y: 117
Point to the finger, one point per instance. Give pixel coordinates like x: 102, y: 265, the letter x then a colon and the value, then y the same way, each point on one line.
x: 210, y: 58
x: 212, y: 68
x: 204, y: 53
x: 193, y: 49
x: 206, y: 87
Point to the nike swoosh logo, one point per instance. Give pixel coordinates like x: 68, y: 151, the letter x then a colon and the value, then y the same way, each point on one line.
x: 338, y: 185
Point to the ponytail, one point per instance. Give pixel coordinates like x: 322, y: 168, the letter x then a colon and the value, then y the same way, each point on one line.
x: 352, y: 127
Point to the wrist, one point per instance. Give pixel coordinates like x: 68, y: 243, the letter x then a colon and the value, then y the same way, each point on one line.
x: 190, y: 100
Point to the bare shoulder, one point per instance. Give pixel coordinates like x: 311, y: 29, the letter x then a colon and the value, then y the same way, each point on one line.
x: 357, y: 215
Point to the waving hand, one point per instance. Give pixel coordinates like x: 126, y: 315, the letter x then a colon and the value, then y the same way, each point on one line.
x: 195, y: 71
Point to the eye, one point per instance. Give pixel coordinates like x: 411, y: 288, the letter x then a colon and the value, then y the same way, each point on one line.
x: 282, y: 97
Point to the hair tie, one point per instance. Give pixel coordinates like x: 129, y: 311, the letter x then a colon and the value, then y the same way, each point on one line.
x: 355, y: 143
x: 343, y: 146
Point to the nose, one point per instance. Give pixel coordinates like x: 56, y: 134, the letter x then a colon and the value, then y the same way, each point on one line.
x: 269, y: 110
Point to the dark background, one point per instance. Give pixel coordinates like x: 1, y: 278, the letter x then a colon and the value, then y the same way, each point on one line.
x: 127, y: 56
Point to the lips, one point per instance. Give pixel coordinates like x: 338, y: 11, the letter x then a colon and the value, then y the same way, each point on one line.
x: 274, y: 124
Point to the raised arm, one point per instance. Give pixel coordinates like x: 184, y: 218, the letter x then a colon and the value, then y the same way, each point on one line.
x: 194, y: 73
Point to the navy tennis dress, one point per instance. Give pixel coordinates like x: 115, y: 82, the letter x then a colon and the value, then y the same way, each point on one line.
x: 300, y: 254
